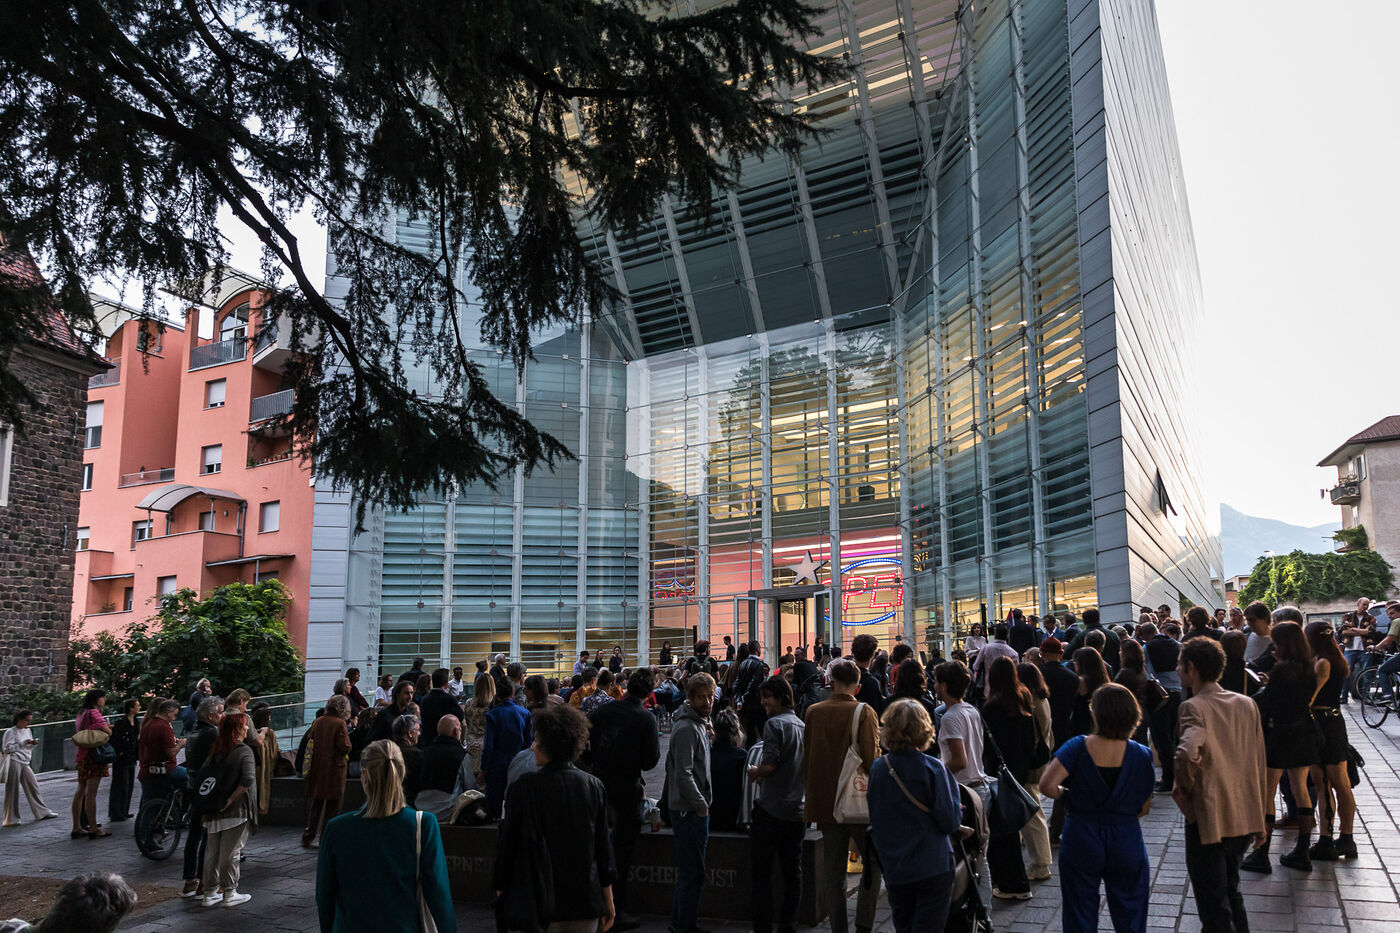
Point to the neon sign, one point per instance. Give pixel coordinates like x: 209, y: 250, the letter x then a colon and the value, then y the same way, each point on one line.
x: 890, y: 582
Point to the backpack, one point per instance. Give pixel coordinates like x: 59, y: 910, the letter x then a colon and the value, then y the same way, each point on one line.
x: 706, y: 665
x: 214, y: 783
x: 749, y: 684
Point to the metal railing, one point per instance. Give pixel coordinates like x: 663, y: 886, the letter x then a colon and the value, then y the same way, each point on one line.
x: 109, y: 378
x: 223, y: 351
x: 142, y: 477
x: 55, y: 752
x: 271, y: 406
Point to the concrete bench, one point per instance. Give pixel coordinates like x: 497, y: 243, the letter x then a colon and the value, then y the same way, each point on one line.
x: 471, y: 861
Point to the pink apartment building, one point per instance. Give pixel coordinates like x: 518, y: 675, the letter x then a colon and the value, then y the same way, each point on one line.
x: 186, y: 483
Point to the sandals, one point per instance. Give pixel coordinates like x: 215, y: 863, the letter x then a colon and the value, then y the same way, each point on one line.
x: 99, y: 833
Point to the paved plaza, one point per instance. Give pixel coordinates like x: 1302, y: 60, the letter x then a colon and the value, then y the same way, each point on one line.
x: 1359, y: 896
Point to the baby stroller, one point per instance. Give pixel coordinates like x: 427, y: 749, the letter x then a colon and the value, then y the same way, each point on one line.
x: 966, y: 912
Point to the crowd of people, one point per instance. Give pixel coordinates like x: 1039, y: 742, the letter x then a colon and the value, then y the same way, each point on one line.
x: 910, y: 768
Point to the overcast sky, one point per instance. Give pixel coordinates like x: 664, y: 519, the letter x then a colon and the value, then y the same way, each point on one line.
x: 1286, y: 118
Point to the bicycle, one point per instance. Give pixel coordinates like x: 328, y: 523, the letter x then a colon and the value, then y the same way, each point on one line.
x: 1374, y: 705
x: 159, y: 823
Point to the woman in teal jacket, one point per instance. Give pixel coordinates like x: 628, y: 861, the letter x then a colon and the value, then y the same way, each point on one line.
x: 367, y: 878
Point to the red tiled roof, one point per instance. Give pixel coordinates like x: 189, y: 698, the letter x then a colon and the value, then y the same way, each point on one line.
x: 1387, y: 429
x: 18, y: 270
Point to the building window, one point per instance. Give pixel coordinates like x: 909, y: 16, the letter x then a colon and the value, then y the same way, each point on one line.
x: 234, y: 326
x: 213, y: 459
x: 269, y: 516
x: 84, y: 538
x: 206, y: 520
x: 214, y: 393
x: 87, y: 476
x: 266, y: 575
x: 148, y: 337
x: 92, y: 437
x: 165, y: 586
x: 7, y: 448
x: 128, y: 599
x: 140, y: 531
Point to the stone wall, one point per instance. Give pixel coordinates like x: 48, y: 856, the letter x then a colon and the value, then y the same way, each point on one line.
x: 38, y: 526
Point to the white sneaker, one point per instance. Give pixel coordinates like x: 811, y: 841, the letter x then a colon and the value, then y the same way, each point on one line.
x: 211, y: 900
x: 233, y: 899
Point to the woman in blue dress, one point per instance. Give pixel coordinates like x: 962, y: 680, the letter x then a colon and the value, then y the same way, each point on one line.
x: 1106, y: 781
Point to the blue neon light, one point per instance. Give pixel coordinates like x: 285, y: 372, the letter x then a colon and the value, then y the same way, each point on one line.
x: 861, y: 563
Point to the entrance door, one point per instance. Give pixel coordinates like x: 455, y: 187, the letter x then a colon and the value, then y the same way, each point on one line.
x: 793, y: 625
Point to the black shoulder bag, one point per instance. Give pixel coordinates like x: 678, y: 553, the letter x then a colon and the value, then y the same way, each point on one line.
x: 1012, y: 806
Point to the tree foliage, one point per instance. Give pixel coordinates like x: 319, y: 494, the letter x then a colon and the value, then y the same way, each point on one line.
x: 237, y: 637
x: 1312, y: 579
x: 127, y: 125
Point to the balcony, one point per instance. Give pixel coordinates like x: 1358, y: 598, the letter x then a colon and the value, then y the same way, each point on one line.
x: 148, y: 476
x: 111, y: 377
x: 272, y: 344
x: 266, y: 407
x: 1346, y: 493
x: 218, y: 353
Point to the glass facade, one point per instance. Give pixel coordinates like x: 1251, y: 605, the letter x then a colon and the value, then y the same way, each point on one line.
x: 855, y: 400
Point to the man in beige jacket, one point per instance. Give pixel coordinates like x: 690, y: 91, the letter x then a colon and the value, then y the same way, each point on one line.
x: 1221, y: 787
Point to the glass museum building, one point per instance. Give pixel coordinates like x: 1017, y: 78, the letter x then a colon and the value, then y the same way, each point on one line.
x: 924, y: 369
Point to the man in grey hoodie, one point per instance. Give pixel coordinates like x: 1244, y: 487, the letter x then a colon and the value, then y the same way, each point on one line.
x: 688, y: 797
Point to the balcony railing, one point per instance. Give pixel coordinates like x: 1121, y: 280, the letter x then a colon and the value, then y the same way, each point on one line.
x: 109, y: 378
x: 271, y: 406
x: 224, y: 351
x: 266, y: 337
x: 148, y: 476
x: 1346, y: 494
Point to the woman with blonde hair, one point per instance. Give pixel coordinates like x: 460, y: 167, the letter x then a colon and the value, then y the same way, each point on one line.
x: 375, y: 863
x: 915, y: 807
x: 474, y: 719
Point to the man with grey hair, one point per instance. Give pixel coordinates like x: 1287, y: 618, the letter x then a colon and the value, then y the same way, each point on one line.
x: 197, y: 749
x: 93, y: 903
x: 498, y: 671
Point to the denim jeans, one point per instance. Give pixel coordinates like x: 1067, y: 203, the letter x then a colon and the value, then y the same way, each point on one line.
x: 692, y: 833
x: 1388, y: 671
x: 775, y: 842
x: 921, y: 907
x: 1354, y: 660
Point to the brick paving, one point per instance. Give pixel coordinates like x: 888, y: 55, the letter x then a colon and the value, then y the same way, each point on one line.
x: 1358, y: 896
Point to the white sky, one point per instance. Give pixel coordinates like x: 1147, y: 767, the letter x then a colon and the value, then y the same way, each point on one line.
x: 1286, y: 116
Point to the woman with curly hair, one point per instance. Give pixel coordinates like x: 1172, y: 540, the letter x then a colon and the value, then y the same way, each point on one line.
x: 571, y: 804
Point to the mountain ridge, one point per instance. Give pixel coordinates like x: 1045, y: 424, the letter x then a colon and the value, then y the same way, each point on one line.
x: 1245, y: 538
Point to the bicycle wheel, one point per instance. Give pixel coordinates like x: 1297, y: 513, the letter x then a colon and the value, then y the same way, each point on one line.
x: 1374, y: 705
x: 158, y: 829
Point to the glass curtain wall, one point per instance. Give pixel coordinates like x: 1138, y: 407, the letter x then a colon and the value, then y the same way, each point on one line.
x: 865, y: 372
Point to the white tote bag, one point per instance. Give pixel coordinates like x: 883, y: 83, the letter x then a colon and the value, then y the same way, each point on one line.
x: 851, y: 805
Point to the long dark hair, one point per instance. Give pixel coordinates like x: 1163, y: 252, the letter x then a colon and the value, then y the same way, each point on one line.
x: 1007, y: 691
x: 1290, y: 644
x: 1130, y: 653
x: 1031, y: 677
x: 1324, y: 645
x: 1088, y: 663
